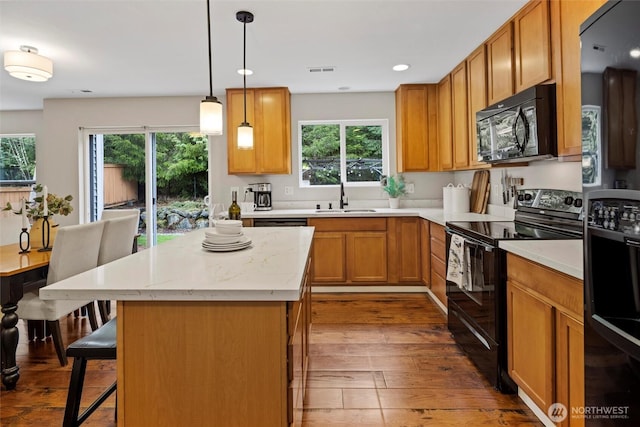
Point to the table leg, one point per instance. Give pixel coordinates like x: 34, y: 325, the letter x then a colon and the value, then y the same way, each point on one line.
x: 9, y: 345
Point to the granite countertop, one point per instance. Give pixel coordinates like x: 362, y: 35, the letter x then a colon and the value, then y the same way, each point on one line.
x: 180, y: 270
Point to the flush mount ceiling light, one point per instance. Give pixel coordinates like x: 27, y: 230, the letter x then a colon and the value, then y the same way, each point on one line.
x: 245, y: 131
x: 244, y: 72
x: 400, y: 67
x: 26, y: 64
x: 210, y: 107
x: 635, y: 53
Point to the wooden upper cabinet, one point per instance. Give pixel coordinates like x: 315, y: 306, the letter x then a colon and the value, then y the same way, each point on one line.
x: 445, y: 141
x: 460, y: 117
x: 416, y: 128
x: 269, y: 112
x: 566, y: 18
x: 532, y: 45
x: 500, y: 64
x: 476, y: 97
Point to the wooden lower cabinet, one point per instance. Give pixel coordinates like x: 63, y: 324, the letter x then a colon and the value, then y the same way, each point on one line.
x: 329, y: 256
x: 362, y: 251
x: 570, y: 365
x: 425, y: 252
x: 438, y: 262
x: 545, y: 336
x: 530, y: 344
x: 405, y: 261
x: 366, y: 256
x: 227, y: 363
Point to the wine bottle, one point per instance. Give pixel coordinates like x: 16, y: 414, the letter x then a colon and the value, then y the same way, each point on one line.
x: 234, y: 209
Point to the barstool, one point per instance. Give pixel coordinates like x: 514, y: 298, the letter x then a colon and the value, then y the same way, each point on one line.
x: 99, y: 345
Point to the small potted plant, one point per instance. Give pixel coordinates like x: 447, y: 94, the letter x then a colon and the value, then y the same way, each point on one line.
x: 394, y: 187
x: 36, y: 209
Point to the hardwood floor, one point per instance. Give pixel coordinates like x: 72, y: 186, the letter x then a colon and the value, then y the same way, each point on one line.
x: 375, y: 360
x: 382, y: 360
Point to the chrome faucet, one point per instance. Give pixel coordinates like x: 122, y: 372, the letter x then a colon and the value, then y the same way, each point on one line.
x: 342, y: 198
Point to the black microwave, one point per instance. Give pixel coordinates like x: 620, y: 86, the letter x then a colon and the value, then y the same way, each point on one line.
x: 520, y: 128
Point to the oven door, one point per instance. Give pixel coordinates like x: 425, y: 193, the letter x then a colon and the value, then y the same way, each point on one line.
x: 478, y: 298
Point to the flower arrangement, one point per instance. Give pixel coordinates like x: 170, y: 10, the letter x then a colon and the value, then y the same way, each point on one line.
x: 394, y: 187
x: 45, y: 204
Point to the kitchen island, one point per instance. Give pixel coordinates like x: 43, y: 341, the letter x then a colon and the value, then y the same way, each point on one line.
x: 208, y: 338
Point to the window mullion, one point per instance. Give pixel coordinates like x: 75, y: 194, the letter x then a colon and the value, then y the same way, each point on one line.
x: 343, y: 152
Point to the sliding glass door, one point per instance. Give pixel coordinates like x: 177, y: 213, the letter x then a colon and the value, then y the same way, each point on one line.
x: 162, y: 173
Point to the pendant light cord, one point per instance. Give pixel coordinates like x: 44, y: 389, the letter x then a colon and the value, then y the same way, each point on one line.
x: 244, y: 67
x: 209, y: 37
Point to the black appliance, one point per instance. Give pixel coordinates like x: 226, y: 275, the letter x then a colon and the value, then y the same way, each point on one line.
x: 610, y: 41
x: 520, y: 128
x: 477, y: 309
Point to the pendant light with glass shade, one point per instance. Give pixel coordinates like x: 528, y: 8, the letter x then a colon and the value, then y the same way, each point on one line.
x: 245, y: 131
x: 210, y: 107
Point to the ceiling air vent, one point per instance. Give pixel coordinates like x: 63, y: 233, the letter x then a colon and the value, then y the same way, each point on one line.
x: 325, y: 69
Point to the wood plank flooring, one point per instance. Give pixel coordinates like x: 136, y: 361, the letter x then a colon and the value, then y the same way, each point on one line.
x: 375, y: 360
x: 389, y: 360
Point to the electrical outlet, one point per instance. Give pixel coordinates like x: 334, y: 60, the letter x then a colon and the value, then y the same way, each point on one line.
x: 288, y: 190
x: 234, y: 189
x: 410, y: 188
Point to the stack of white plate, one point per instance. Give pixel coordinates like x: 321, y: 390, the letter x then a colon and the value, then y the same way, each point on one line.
x: 226, y: 236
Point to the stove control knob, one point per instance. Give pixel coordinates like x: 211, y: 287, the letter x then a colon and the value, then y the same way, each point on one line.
x: 605, y: 224
x: 636, y: 228
x: 612, y: 225
x: 577, y: 203
x: 568, y: 200
x: 632, y: 216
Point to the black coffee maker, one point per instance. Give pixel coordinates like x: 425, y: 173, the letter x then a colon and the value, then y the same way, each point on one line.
x: 262, y: 196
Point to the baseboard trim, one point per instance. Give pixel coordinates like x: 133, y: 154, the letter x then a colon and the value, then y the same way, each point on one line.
x: 534, y: 408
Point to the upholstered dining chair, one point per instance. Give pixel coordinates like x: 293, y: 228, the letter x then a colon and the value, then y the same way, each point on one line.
x: 117, y: 213
x: 117, y: 235
x: 75, y: 250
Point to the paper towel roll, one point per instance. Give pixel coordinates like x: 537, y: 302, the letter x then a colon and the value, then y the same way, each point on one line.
x: 455, y: 199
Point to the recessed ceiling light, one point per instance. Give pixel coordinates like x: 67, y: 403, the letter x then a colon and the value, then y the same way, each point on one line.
x: 400, y: 67
x: 245, y: 72
x: 635, y: 53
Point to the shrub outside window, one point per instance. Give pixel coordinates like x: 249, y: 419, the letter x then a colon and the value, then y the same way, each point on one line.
x: 350, y: 151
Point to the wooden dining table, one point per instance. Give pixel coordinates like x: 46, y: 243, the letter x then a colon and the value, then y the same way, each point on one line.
x: 19, y: 273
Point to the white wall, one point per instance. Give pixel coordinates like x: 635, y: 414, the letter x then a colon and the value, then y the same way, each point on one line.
x: 58, y: 154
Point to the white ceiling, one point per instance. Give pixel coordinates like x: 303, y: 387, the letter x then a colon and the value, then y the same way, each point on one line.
x: 117, y: 48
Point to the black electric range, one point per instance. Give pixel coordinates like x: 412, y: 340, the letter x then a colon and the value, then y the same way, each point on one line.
x: 477, y: 299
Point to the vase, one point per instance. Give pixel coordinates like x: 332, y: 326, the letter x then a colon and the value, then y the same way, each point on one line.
x: 35, y: 234
x: 394, y: 202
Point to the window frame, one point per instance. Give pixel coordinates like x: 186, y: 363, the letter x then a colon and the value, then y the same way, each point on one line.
x: 343, y: 123
x: 28, y: 182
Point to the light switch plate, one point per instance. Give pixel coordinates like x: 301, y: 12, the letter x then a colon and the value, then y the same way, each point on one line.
x: 288, y: 190
x: 410, y: 188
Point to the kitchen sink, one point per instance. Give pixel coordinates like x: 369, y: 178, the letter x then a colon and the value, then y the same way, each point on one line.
x: 338, y: 211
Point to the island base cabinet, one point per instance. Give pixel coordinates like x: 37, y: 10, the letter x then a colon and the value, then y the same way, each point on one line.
x: 211, y: 363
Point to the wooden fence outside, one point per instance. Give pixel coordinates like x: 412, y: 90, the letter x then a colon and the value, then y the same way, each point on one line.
x: 117, y: 190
